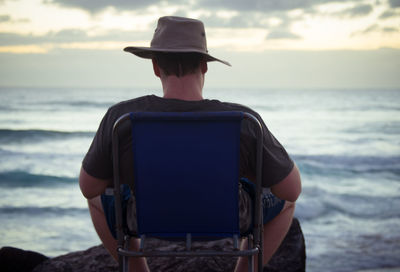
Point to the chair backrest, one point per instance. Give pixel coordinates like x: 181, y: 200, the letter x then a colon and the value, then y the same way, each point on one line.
x: 186, y: 175
x: 186, y: 172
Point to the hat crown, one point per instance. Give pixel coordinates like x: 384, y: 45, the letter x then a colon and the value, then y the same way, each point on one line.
x: 179, y: 33
x: 176, y: 35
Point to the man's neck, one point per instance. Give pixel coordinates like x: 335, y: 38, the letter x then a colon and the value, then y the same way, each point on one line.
x: 188, y: 87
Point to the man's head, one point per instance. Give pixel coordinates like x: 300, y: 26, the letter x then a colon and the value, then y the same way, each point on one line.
x: 176, y: 38
x: 179, y: 64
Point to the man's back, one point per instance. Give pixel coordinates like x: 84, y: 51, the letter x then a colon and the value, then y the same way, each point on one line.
x: 152, y: 103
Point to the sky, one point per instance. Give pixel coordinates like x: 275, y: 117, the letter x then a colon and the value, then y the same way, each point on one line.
x: 270, y: 43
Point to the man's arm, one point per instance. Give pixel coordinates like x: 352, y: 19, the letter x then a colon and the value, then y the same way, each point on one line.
x: 91, y: 186
x: 290, y: 187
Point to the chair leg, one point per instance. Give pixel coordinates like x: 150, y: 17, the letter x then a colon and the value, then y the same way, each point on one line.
x: 260, y: 253
x: 260, y: 261
x: 121, y: 263
x: 251, y: 263
x: 251, y: 258
x: 126, y: 259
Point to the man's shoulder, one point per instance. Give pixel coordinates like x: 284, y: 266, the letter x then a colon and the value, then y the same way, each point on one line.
x: 117, y: 110
x: 239, y: 107
x: 154, y: 103
x: 141, y: 103
x: 137, y: 101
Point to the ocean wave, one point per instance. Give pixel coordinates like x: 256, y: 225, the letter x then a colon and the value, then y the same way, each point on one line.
x: 34, y: 135
x: 26, y: 179
x: 83, y: 104
x: 350, y: 205
x: 391, y: 127
x: 49, y: 210
x: 341, y: 164
x: 366, y: 207
x: 56, y: 105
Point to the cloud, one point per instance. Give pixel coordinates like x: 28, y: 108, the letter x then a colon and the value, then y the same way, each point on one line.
x: 352, y: 12
x: 69, y: 36
x: 8, y: 38
x: 390, y: 29
x: 262, y: 6
x: 394, y: 3
x: 377, y: 28
x: 251, y: 5
x: 279, y: 34
x: 94, y: 6
x: 5, y: 18
x: 372, y: 28
x: 282, y: 30
x: 388, y: 14
x: 242, y: 20
x: 244, y: 14
x: 266, y: 6
x: 8, y: 18
x: 358, y: 11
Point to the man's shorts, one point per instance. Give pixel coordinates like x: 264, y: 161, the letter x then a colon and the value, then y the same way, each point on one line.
x: 272, y: 206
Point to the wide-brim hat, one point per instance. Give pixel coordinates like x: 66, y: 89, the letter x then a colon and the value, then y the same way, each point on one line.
x: 176, y: 35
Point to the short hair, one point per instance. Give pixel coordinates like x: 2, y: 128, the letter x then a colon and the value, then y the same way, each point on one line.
x: 178, y: 64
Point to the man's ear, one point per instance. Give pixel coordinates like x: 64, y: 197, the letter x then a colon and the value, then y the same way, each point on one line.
x: 204, y: 67
x: 156, y: 69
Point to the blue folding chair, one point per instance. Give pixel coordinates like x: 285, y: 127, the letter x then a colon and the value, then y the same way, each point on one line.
x: 186, y: 175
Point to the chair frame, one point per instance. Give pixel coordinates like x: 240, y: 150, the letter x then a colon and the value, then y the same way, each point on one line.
x: 255, y: 241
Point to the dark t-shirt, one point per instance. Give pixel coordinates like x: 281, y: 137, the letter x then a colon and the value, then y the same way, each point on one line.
x: 98, y: 161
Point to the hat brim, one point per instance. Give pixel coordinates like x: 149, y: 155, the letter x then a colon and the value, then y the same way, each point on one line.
x: 148, y: 53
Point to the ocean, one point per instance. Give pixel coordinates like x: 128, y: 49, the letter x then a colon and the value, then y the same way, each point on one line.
x: 346, y: 143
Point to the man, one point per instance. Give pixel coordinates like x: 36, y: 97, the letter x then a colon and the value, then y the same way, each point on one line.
x: 179, y: 57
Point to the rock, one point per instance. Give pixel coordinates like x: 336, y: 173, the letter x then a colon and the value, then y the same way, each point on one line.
x: 95, y: 259
x: 289, y: 257
x: 17, y: 260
